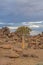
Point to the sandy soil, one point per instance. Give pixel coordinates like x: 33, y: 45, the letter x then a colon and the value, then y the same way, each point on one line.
x: 31, y: 60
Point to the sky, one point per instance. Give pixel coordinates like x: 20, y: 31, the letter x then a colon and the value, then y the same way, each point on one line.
x: 15, y: 13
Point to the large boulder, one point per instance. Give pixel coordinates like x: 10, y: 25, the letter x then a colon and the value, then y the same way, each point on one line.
x: 5, y: 30
x: 8, y: 53
x: 6, y: 46
x: 18, y: 50
x: 12, y: 54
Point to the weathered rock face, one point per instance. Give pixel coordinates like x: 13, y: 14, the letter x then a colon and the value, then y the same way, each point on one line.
x: 36, y: 40
x: 4, y: 32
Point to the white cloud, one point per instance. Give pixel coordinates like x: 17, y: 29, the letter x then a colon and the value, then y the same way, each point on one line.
x: 34, y: 32
x: 12, y: 28
x: 10, y: 23
x: 24, y: 23
x: 35, y: 24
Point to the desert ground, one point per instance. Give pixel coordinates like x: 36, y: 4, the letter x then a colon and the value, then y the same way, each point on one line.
x: 18, y: 56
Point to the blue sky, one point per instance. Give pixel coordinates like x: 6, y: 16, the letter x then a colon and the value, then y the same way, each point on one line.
x: 14, y: 13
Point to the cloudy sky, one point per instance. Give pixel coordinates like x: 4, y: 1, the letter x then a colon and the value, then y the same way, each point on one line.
x: 14, y: 13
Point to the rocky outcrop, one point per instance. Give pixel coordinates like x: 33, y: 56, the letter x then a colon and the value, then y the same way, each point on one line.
x: 4, y: 32
x: 7, y: 37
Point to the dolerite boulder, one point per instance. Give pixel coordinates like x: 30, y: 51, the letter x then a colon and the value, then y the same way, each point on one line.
x: 5, y: 30
x: 18, y: 50
x: 6, y: 46
x: 12, y: 54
